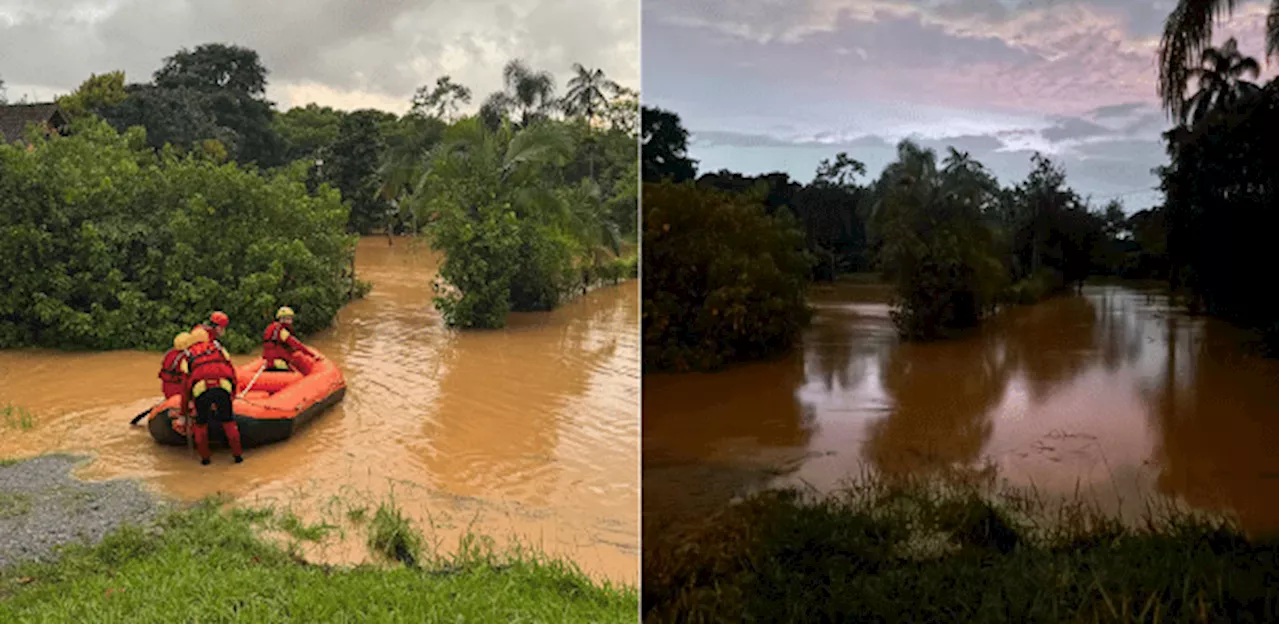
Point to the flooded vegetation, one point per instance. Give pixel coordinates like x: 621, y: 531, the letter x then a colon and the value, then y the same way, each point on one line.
x: 1117, y: 395
x: 527, y: 432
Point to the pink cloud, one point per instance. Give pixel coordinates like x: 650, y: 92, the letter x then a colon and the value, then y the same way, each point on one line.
x: 1081, y: 56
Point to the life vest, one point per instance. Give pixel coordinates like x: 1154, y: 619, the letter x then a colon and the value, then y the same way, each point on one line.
x: 273, y: 334
x: 208, y: 361
x: 275, y: 345
x: 170, y: 371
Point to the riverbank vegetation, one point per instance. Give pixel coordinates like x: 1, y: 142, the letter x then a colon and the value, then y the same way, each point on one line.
x: 948, y: 549
x: 530, y: 200
x: 724, y: 280
x: 953, y: 241
x: 1220, y: 183
x: 109, y: 244
x: 148, y: 575
x: 957, y: 244
x: 191, y: 192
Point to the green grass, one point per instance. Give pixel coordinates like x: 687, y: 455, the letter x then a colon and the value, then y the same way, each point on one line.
x: 209, y: 564
x: 392, y: 536
x: 16, y: 417
x: 931, y: 551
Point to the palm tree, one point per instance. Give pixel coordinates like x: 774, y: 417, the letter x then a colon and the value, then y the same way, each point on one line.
x: 586, y: 92
x: 1188, y: 31
x: 968, y: 183
x: 1219, y: 79
x: 531, y: 92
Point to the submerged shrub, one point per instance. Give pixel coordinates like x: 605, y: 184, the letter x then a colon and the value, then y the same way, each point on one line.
x: 723, y: 281
x: 108, y: 245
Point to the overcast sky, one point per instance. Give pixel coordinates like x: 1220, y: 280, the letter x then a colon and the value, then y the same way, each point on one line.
x: 343, y: 53
x: 774, y: 85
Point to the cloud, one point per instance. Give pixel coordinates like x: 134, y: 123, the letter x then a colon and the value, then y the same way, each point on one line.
x: 1066, y: 128
x: 1061, y: 57
x: 1110, y: 111
x: 354, y: 52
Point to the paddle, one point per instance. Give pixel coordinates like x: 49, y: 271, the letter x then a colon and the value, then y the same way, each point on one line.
x: 134, y: 422
x: 252, y: 381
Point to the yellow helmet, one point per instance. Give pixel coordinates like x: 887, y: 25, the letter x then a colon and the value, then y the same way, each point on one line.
x: 283, y: 312
x: 182, y: 341
x: 199, y: 335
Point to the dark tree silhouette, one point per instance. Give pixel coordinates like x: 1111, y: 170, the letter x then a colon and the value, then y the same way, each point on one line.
x: 664, y: 147
x: 1187, y: 32
x: 1219, y: 79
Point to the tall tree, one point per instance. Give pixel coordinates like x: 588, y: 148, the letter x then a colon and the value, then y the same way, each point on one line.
x: 664, y: 147
x: 623, y: 111
x: 305, y: 130
x: 934, y: 245
x: 526, y: 91
x: 215, y: 66
x: 443, y: 100
x: 1187, y: 32
x: 351, y: 164
x: 482, y: 195
x: 96, y: 92
x: 233, y: 83
x: 1219, y: 78
x: 839, y: 173
x: 586, y: 95
x: 180, y: 117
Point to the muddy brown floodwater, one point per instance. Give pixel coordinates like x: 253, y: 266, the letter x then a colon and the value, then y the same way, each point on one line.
x: 528, y: 432
x: 1116, y: 390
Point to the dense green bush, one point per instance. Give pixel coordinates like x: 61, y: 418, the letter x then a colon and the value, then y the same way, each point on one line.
x: 612, y: 271
x: 108, y: 245
x: 516, y: 234
x: 723, y: 281
x: 933, y: 242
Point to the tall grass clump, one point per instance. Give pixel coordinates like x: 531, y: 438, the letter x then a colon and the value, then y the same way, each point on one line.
x: 925, y: 550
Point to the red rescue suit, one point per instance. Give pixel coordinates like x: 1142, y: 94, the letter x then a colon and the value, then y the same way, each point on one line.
x: 171, y: 377
x: 279, y: 346
x: 209, y: 389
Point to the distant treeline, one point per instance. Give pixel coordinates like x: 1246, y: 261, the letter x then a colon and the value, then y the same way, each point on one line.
x: 952, y: 239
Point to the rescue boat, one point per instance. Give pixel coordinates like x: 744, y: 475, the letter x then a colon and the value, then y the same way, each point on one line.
x: 275, y: 405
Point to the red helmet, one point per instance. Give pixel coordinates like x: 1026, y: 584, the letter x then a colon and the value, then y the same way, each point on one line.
x: 220, y: 319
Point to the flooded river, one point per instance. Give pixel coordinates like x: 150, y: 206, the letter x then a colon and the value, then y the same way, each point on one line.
x: 1115, y: 391
x: 528, y: 432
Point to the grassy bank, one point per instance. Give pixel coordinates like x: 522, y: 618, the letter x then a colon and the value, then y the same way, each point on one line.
x: 209, y: 563
x: 929, y: 551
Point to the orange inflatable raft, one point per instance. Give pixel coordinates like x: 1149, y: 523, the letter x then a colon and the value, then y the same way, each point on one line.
x: 274, y: 407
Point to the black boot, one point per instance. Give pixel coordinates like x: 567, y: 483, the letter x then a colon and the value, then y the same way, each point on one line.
x: 239, y: 459
x: 204, y: 462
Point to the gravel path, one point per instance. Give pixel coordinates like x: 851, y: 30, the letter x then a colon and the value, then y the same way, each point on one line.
x: 42, y: 506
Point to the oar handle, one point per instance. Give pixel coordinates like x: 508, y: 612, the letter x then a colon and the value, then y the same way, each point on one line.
x: 143, y: 414
x: 252, y: 381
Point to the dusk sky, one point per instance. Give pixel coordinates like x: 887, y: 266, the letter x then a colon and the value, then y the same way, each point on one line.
x: 343, y: 53
x: 772, y: 85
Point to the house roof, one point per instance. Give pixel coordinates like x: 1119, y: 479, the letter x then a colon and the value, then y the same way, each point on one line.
x: 15, y: 117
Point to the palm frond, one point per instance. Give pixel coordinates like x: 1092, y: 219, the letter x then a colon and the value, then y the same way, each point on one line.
x: 1273, y: 21
x: 536, y: 143
x: 1248, y: 66
x: 1187, y: 32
